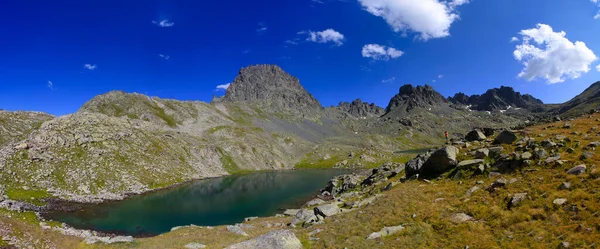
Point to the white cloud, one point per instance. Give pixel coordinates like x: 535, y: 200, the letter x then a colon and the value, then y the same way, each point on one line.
x: 597, y: 16
x: 325, y: 36
x: 514, y: 39
x: 50, y: 85
x: 550, y: 55
x: 262, y: 28
x: 598, y: 68
x: 433, y: 81
x: 379, y: 52
x: 440, y: 76
x: 388, y: 80
x: 429, y: 18
x: 164, y: 23
x: 166, y: 57
x: 90, y: 66
x: 223, y: 87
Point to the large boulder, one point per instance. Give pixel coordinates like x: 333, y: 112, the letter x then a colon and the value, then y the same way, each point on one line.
x: 475, y: 135
x: 343, y: 183
x: 440, y: 161
x: 304, y: 216
x: 414, y: 166
x: 506, y: 137
x: 278, y: 239
x: 327, y: 210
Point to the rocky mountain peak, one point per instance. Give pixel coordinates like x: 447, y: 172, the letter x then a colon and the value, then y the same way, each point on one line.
x: 410, y: 97
x: 273, y: 89
x: 498, y: 99
x: 358, y: 108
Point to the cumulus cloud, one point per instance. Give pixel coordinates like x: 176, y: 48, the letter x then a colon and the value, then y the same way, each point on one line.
x: 597, y: 16
x: 379, y: 52
x: 164, y: 23
x: 428, y: 18
x: 514, y: 39
x: 388, y: 80
x: 325, y: 36
x: 598, y: 68
x: 550, y: 55
x: 50, y: 85
x: 223, y: 87
x: 166, y: 57
x: 90, y: 66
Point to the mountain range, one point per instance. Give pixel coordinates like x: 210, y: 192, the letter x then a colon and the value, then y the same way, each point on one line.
x: 121, y: 143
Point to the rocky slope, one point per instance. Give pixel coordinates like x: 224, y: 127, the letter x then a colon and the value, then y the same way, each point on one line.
x: 15, y: 126
x: 496, y: 99
x: 359, y: 109
x: 410, y: 98
x: 585, y: 102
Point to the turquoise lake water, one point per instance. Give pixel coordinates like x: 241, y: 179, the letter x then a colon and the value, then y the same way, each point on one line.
x: 210, y: 202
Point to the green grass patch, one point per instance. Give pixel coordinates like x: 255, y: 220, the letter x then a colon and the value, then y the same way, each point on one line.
x: 32, y: 196
x: 228, y: 164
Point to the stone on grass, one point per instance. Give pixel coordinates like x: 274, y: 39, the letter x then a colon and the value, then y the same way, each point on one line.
x: 482, y: 153
x: 564, y: 186
x: 327, y: 210
x: 540, y: 154
x: 577, y: 170
x: 559, y: 201
x: 386, y: 231
x: 475, y: 135
x: 440, y: 161
x: 594, y: 144
x: 304, y: 216
x: 237, y: 230
x: 194, y: 246
x: 458, y: 218
x: 469, y: 163
x: 505, y: 137
x: 472, y: 190
x: 495, y: 151
x: 516, y: 199
x: 526, y: 156
x: 278, y: 239
x: 564, y: 245
x: 586, y: 155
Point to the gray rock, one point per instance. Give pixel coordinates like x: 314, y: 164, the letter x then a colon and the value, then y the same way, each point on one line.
x: 570, y: 150
x: 469, y: 163
x: 482, y: 153
x: 386, y: 231
x: 343, y: 183
x: 291, y: 212
x: 564, y: 245
x: 458, y: 218
x: 314, y: 232
x: 495, y: 151
x: 567, y: 125
x: 194, y: 245
x: 304, y: 217
x: 250, y: 218
x: 564, y: 186
x: 475, y: 135
x: 414, y: 166
x: 548, y: 144
x: 594, y: 144
x: 559, y: 201
x: 526, y: 155
x: 499, y: 183
x: 577, y: 170
x: 237, y: 230
x: 540, y: 154
x: 586, y: 155
x: 328, y: 210
x: 440, y: 161
x: 315, y: 202
x: 506, y: 137
x: 516, y: 199
x: 279, y: 239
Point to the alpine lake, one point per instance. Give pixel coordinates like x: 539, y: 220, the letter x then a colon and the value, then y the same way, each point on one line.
x: 208, y: 202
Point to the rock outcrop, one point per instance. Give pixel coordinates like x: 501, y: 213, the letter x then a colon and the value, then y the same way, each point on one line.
x: 359, y: 109
x: 410, y: 97
x: 278, y: 239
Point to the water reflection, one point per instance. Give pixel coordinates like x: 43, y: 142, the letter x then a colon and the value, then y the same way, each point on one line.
x: 208, y: 202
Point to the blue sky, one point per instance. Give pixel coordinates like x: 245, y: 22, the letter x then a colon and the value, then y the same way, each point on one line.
x: 185, y: 49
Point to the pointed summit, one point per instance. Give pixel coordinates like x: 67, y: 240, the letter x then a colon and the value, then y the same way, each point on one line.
x: 273, y: 89
x: 410, y: 97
